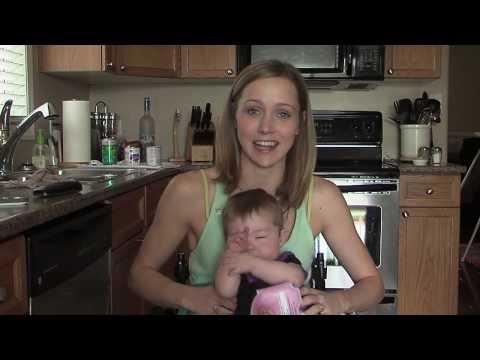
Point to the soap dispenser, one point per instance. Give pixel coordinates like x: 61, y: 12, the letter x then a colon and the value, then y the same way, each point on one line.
x: 40, y: 151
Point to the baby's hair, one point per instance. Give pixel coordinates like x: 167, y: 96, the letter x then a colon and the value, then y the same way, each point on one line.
x: 247, y: 202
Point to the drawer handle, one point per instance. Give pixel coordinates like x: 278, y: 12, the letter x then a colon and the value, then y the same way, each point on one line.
x: 405, y: 214
x: 3, y: 294
x: 429, y: 191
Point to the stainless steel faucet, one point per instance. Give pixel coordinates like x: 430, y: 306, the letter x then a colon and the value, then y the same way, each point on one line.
x: 7, y: 149
x: 5, y: 122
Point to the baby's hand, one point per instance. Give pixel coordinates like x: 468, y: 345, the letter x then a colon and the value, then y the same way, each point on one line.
x: 239, y: 262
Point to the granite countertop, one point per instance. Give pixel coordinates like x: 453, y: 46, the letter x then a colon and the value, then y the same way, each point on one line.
x: 16, y: 219
x: 443, y: 169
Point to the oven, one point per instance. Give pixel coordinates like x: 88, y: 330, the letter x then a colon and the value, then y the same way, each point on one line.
x: 349, y: 154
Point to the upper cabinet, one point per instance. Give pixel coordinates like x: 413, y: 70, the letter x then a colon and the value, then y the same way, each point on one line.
x: 150, y: 60
x: 166, y: 61
x: 75, y: 58
x: 208, y: 61
x: 413, y: 61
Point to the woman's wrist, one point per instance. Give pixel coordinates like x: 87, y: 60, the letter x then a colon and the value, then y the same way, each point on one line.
x: 345, y: 304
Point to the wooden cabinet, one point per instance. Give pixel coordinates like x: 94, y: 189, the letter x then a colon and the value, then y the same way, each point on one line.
x: 429, y: 243
x: 13, y: 277
x: 413, y: 61
x: 128, y: 219
x: 153, y: 192
x: 209, y: 61
x: 165, y: 61
x: 132, y: 213
x: 76, y: 58
x: 124, y: 301
x: 128, y: 216
x: 148, y: 60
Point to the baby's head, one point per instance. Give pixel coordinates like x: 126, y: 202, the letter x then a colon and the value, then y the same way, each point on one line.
x: 254, y: 219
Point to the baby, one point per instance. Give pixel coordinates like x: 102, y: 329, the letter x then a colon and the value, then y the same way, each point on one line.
x: 253, y: 227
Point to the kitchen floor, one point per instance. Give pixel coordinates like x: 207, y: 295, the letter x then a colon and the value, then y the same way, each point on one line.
x: 469, y: 271
x: 469, y: 289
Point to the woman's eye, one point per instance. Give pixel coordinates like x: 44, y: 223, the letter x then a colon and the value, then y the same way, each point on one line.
x: 260, y: 237
x: 253, y: 111
x: 284, y: 114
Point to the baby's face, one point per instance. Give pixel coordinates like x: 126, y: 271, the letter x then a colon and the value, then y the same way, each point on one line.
x: 257, y: 234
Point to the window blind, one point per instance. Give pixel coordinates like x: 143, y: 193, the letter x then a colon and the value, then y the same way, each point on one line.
x: 13, y: 78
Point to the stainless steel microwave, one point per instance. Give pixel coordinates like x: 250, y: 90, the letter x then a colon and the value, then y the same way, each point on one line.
x: 342, y: 62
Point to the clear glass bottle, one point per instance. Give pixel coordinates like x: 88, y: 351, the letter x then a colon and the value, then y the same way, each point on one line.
x: 40, y: 152
x: 146, y: 129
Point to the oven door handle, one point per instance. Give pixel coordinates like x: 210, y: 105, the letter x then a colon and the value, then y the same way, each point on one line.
x: 368, y: 188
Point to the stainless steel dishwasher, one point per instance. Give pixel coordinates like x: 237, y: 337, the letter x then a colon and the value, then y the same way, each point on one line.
x: 68, y: 264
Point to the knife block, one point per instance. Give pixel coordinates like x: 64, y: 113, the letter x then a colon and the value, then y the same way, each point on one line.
x: 200, y: 144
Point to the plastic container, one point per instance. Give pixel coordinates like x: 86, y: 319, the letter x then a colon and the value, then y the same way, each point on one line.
x: 413, y: 137
x: 40, y: 152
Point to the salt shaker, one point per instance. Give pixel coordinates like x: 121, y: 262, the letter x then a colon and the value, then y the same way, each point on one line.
x: 436, y: 156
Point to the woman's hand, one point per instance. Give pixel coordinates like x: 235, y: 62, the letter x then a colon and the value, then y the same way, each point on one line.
x: 317, y: 302
x: 208, y: 302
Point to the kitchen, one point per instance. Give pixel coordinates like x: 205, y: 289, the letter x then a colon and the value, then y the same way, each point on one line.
x: 92, y: 79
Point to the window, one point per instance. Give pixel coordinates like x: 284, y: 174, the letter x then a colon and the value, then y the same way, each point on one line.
x: 14, y: 78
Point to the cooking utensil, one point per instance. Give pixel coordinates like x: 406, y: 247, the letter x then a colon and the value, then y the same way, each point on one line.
x: 405, y: 109
x: 419, y: 104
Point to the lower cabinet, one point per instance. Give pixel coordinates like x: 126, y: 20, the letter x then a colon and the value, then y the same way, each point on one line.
x: 124, y: 301
x: 128, y: 219
x: 428, y: 274
x: 429, y: 244
x: 132, y: 214
x: 13, y: 277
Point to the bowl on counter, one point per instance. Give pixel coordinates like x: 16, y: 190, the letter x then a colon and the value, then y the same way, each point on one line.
x: 420, y: 162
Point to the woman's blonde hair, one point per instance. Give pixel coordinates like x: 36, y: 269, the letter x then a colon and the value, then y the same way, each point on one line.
x: 301, y: 157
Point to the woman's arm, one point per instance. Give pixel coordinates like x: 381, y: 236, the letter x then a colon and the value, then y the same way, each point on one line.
x: 171, y: 224
x: 332, y: 217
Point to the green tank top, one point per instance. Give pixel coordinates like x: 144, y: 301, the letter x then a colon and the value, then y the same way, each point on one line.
x: 203, y: 260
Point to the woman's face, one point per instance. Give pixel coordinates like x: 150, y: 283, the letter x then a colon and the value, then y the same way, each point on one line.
x: 267, y: 121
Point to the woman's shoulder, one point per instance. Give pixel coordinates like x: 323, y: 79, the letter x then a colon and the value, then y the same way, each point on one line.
x: 190, y: 182
x: 322, y: 184
x: 324, y: 189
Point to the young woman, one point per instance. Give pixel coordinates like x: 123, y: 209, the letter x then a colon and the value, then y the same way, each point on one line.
x: 265, y: 140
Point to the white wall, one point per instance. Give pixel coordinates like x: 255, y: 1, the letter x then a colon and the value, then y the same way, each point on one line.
x: 127, y: 101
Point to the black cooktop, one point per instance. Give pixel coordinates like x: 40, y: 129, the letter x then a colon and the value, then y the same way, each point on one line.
x: 363, y: 169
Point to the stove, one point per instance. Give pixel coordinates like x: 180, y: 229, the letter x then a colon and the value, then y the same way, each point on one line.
x: 349, y: 143
x: 349, y: 154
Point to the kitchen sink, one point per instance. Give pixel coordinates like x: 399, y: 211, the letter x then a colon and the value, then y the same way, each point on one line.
x: 79, y: 174
x: 94, y: 175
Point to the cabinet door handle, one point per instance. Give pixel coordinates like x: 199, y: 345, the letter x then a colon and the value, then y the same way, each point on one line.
x: 3, y: 294
x: 110, y: 65
x: 123, y: 67
x: 229, y: 72
x: 429, y: 191
x: 405, y: 214
x: 390, y: 71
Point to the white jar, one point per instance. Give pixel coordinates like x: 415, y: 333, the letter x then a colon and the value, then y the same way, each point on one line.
x: 413, y: 137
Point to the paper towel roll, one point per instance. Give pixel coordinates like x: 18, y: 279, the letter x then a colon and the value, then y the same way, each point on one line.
x: 76, y: 131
